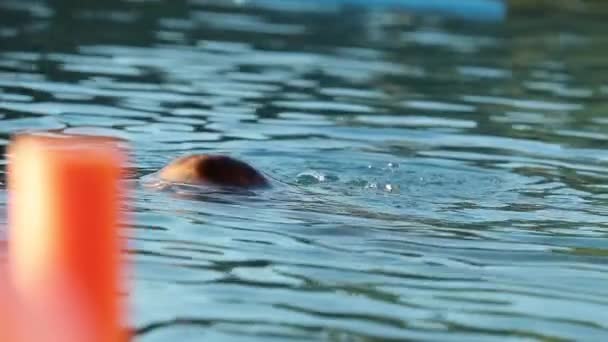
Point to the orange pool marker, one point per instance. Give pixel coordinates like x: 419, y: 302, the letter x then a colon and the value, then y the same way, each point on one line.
x: 64, y: 248
x: 19, y: 323
x: 8, y: 310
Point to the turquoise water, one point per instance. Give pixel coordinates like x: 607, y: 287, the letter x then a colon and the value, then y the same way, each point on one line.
x: 435, y: 179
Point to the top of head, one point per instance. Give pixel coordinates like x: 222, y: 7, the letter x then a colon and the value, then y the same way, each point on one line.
x: 212, y: 169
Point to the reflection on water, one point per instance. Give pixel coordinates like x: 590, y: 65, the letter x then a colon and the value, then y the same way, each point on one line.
x: 434, y: 179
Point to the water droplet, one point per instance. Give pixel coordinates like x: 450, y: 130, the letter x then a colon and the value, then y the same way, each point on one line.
x: 372, y: 185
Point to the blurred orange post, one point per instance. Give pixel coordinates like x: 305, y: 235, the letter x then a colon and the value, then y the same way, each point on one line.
x: 8, y: 310
x: 64, y: 248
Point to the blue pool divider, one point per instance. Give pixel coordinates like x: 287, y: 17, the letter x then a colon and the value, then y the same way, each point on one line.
x: 477, y: 10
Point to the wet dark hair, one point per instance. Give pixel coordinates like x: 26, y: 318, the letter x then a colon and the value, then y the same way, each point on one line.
x: 227, y: 171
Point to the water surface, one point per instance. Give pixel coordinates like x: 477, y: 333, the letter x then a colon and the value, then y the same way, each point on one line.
x: 436, y: 179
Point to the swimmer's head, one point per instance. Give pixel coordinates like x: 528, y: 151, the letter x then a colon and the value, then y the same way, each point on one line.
x: 212, y: 169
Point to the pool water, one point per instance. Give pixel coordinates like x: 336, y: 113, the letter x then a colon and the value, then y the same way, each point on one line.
x: 434, y: 179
